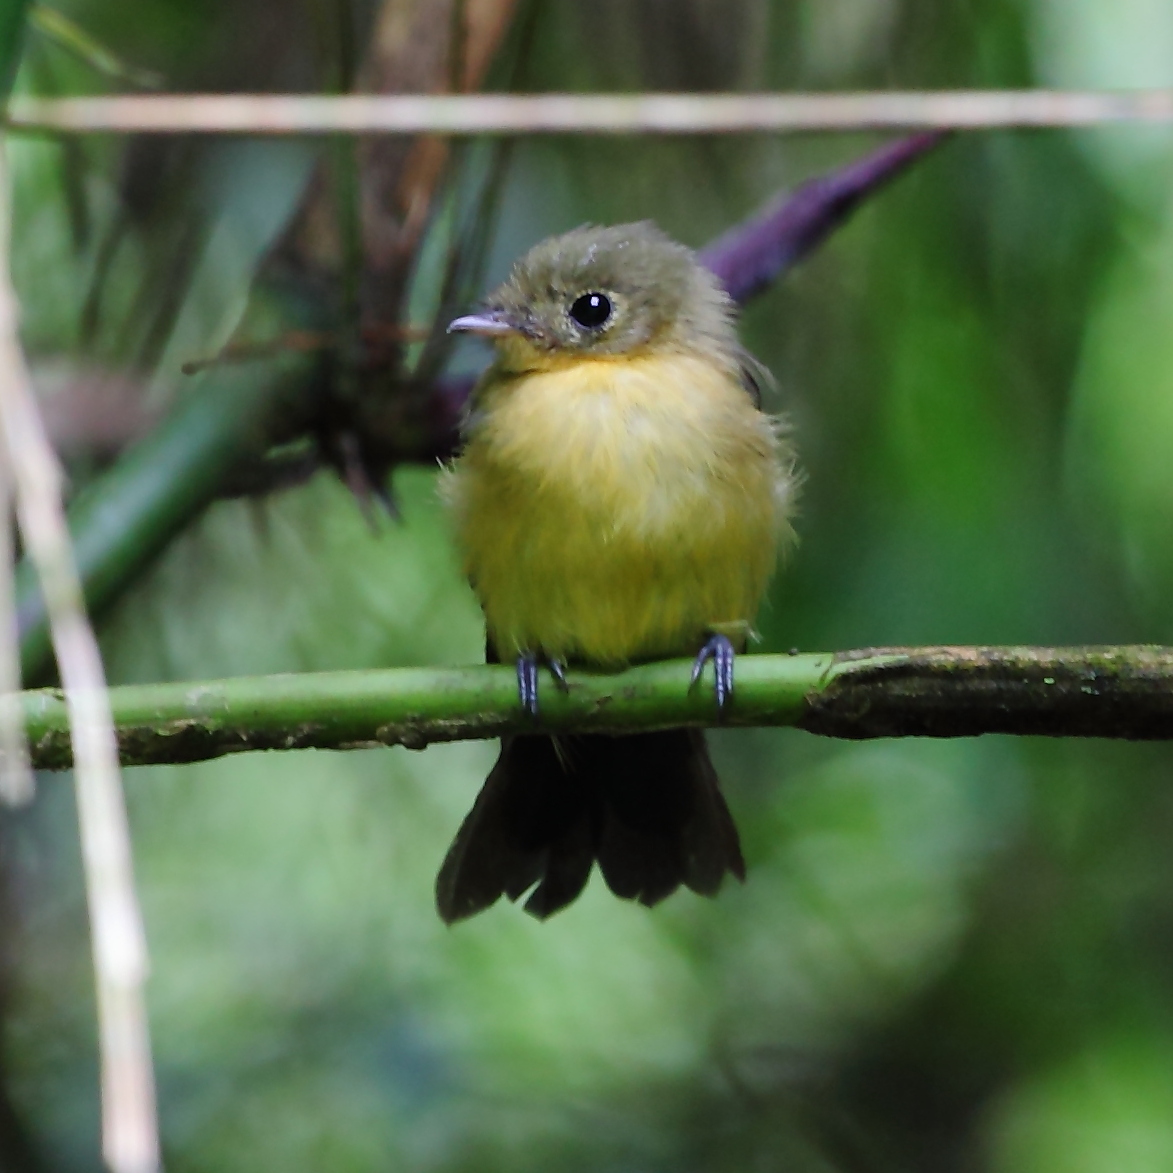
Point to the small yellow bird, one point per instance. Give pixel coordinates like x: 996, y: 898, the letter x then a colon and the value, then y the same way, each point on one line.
x: 620, y: 496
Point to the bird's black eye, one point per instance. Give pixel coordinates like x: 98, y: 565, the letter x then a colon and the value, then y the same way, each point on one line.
x: 591, y: 310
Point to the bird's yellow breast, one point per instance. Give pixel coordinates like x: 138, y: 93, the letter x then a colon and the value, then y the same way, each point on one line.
x: 611, y: 510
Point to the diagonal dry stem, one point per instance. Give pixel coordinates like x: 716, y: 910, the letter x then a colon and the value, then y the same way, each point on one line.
x: 129, y: 1127
x: 16, y: 775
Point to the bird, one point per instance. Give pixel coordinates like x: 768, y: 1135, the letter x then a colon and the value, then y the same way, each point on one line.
x: 619, y: 496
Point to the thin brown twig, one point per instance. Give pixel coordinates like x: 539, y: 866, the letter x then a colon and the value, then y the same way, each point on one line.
x: 129, y: 1127
x: 303, y: 341
x: 469, y: 114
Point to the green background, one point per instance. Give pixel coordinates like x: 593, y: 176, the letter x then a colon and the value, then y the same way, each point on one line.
x: 948, y: 956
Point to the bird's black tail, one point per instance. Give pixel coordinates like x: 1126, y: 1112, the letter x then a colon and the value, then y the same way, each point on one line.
x: 648, y: 807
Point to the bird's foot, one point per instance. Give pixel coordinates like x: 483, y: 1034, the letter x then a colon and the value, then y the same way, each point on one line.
x: 527, y: 678
x: 719, y: 649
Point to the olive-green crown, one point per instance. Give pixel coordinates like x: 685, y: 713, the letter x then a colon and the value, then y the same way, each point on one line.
x: 658, y: 294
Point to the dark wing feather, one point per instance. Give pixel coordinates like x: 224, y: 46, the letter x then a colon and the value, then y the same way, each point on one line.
x: 755, y: 376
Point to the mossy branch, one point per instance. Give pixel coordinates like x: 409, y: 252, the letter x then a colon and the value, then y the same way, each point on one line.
x: 1116, y: 692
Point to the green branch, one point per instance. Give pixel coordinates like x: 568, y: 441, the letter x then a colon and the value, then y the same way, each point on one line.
x: 122, y: 521
x: 1119, y: 692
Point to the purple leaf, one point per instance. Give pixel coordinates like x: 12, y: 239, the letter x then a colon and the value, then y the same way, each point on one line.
x: 759, y: 250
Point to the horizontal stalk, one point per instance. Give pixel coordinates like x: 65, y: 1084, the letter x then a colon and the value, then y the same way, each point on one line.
x: 449, y: 114
x: 648, y: 113
x: 1115, y: 692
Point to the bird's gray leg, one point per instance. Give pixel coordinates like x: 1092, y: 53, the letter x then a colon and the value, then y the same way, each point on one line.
x: 719, y: 649
x: 528, y: 664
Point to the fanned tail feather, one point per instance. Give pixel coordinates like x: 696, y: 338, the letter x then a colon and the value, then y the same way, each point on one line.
x: 647, y: 807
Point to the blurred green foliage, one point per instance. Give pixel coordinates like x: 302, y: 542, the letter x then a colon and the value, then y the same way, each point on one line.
x: 948, y: 956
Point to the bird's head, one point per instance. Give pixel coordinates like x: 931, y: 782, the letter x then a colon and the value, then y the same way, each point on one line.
x: 604, y: 293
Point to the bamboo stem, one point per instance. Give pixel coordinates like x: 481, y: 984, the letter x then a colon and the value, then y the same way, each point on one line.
x: 125, y: 519
x: 1123, y: 692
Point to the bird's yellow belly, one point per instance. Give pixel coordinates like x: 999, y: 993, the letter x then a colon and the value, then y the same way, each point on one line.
x: 619, y: 516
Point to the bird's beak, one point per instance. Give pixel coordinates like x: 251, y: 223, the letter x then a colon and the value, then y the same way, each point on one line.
x: 489, y: 323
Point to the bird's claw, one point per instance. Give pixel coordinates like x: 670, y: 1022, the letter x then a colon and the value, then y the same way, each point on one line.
x: 719, y: 649
x: 558, y: 671
x: 527, y: 678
